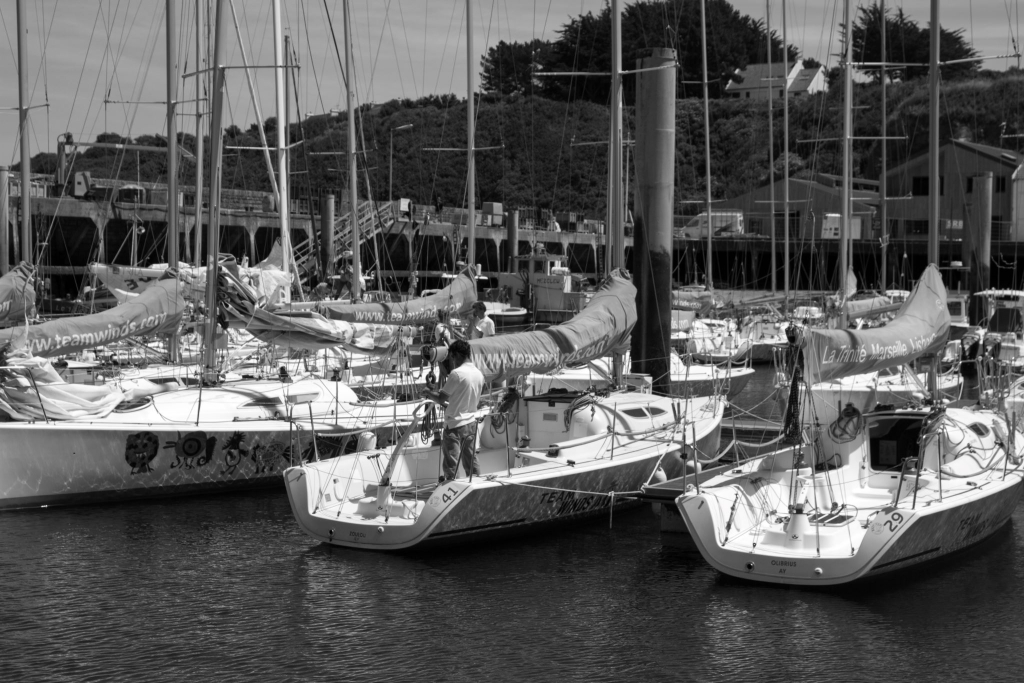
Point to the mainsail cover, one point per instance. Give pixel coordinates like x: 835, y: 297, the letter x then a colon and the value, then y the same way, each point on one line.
x: 17, y: 293
x: 156, y: 311
x: 457, y: 298
x: 921, y: 327
x: 599, y: 329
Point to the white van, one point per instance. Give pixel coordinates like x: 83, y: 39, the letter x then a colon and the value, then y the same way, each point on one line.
x: 723, y: 223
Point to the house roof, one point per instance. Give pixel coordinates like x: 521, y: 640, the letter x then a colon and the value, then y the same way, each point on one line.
x: 755, y: 76
x: 1003, y: 156
x: 803, y: 79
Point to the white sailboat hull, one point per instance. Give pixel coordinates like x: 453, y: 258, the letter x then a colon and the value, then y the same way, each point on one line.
x: 68, y: 463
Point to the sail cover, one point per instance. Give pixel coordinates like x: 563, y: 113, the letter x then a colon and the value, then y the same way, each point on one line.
x: 156, y: 311
x: 600, y: 328
x: 920, y: 327
x: 863, y: 308
x: 699, y: 302
x: 457, y: 298
x: 17, y: 293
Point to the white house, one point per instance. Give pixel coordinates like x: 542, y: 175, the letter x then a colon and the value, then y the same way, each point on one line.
x: 754, y: 81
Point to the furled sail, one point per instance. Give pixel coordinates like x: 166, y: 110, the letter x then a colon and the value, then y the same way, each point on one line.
x: 17, y: 293
x: 921, y: 327
x: 127, y: 282
x: 457, y: 298
x: 599, y: 329
x: 156, y: 311
x: 300, y: 329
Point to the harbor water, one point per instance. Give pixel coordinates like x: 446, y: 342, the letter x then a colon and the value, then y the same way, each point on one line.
x: 227, y: 588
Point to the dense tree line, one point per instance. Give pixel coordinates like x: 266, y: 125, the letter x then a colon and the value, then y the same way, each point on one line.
x: 547, y: 134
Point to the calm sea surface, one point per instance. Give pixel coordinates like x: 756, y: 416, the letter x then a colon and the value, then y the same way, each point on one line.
x: 227, y: 588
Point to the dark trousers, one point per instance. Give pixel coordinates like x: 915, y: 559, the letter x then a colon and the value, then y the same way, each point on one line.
x: 459, y: 444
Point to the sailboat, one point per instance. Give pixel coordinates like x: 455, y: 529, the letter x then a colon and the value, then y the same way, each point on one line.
x: 543, y: 458
x: 864, y: 494
x: 547, y: 457
x: 67, y: 443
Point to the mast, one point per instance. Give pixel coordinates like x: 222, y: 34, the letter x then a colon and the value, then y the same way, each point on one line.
x: 356, y: 286
x: 785, y: 158
x: 844, y: 224
x: 26, y: 159
x: 882, y: 185
x: 284, y: 204
x: 707, y: 137
x: 216, y: 170
x: 934, y: 185
x: 172, y: 158
x: 771, y: 143
x: 471, y: 142
x: 615, y: 244
x: 934, y: 180
x: 200, y: 79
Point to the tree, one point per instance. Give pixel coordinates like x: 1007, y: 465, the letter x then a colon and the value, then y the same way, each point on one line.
x: 906, y: 42
x: 509, y: 68
x: 734, y: 40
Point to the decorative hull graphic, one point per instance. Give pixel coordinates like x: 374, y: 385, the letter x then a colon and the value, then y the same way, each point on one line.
x: 69, y: 463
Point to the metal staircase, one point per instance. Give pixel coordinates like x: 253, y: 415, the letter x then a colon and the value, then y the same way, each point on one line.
x: 373, y: 219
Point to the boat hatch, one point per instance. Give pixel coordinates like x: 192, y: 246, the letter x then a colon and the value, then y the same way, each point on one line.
x: 979, y: 429
x: 635, y: 412
x: 263, y: 402
x: 134, y: 404
x: 893, y: 440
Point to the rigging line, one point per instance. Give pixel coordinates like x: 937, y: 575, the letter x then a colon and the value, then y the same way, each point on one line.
x: 408, y: 50
x: 312, y: 65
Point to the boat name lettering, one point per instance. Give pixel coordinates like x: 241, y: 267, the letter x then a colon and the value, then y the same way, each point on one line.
x: 876, y: 352
x: 570, y: 502
x: 783, y: 563
x: 357, y: 534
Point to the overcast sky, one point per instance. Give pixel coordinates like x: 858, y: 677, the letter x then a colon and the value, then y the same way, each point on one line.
x: 115, y: 50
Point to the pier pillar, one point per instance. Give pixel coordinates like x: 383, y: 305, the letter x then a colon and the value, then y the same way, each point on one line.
x: 977, y: 245
x: 512, y: 241
x: 5, y: 220
x: 652, y: 233
x: 327, y: 237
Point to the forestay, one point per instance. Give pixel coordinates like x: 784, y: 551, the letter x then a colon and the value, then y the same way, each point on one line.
x: 920, y: 328
x: 599, y: 329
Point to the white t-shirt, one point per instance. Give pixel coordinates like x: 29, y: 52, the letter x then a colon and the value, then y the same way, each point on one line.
x: 482, y: 328
x: 463, y: 389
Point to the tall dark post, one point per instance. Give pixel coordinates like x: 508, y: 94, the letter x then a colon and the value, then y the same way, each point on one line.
x: 652, y: 234
x: 26, y: 157
x: 977, y: 245
x: 512, y: 240
x: 5, y: 217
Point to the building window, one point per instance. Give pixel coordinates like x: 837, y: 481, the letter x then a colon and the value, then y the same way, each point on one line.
x: 970, y: 186
x: 916, y: 227
x: 748, y: 94
x: 1000, y: 184
x: 919, y: 186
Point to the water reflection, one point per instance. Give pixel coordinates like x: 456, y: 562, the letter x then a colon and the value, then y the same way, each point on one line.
x: 228, y: 587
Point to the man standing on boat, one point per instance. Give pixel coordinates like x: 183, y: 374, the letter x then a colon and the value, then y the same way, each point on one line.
x: 460, y: 396
x: 480, y: 325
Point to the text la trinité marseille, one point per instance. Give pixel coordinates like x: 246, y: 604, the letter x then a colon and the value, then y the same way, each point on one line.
x: 875, y: 352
